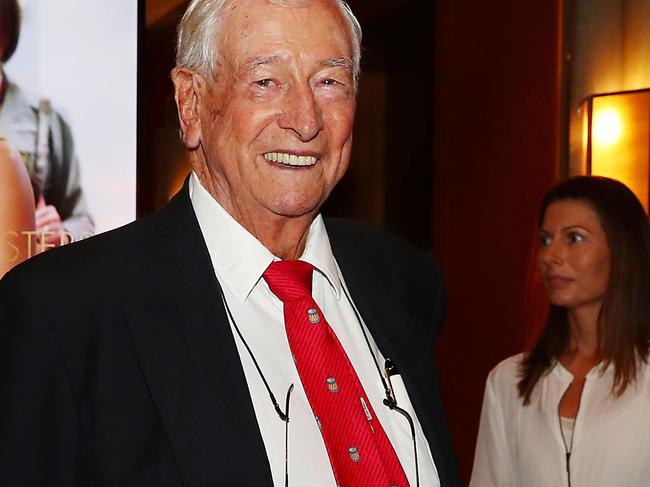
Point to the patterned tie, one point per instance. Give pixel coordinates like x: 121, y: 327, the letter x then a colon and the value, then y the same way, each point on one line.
x: 358, y: 448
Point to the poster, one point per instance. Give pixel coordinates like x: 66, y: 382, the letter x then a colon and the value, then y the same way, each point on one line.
x: 76, y: 62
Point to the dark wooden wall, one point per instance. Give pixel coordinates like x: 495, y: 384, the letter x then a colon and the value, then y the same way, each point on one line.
x: 497, y: 116
x: 391, y: 169
x: 162, y: 161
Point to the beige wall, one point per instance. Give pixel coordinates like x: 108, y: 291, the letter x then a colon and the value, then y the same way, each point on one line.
x: 609, y: 44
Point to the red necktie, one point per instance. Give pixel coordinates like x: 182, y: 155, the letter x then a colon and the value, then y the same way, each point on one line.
x: 358, y: 448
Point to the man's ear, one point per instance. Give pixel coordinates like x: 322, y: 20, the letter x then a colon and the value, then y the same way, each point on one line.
x: 187, y: 96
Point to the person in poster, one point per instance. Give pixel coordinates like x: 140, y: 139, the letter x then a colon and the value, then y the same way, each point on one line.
x: 16, y: 209
x: 46, y: 144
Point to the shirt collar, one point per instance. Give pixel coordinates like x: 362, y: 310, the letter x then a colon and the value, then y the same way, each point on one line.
x: 239, y: 259
x: 318, y: 252
x: 598, y: 370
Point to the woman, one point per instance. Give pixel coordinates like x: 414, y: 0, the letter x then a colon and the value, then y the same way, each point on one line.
x: 16, y: 209
x: 575, y: 410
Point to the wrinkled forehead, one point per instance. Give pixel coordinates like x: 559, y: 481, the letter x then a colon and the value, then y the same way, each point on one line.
x: 251, y: 28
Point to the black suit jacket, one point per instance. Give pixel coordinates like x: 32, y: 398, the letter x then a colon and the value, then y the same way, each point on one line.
x: 118, y: 367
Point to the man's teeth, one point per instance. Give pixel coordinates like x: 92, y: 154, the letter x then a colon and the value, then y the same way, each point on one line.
x: 290, y: 159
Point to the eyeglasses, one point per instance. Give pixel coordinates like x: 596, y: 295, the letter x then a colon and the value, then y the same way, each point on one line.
x: 390, y: 370
x: 284, y: 416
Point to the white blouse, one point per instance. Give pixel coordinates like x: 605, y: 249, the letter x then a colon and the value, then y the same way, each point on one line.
x: 522, y: 446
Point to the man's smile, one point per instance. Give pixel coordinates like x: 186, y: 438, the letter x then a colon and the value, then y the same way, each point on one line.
x: 289, y: 159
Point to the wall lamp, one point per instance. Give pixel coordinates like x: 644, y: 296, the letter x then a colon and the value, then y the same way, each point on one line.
x: 616, y: 139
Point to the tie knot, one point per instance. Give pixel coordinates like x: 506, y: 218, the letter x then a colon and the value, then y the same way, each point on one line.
x: 289, y: 279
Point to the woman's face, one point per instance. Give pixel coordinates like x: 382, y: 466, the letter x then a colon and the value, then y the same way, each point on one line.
x: 573, y: 256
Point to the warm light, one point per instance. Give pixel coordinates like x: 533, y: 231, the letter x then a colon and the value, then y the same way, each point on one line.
x: 607, y: 127
x: 616, y: 139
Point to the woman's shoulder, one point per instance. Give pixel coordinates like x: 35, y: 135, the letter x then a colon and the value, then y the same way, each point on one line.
x: 504, y: 377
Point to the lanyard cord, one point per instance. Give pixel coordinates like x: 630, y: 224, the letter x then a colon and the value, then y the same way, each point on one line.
x: 387, y: 390
x: 284, y: 416
x: 390, y: 369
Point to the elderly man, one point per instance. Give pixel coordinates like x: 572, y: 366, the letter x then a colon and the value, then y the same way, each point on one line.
x: 234, y: 337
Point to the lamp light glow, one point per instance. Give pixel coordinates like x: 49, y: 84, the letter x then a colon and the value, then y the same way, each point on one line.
x: 616, y: 139
x: 607, y: 127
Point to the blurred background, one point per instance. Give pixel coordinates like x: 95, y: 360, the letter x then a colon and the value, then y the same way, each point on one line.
x: 469, y: 111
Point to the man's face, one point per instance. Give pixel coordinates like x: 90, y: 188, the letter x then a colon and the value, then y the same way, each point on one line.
x: 276, y: 121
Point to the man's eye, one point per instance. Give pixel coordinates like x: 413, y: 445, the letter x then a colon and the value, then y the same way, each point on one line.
x: 330, y: 82
x: 544, y: 240
x: 264, y: 83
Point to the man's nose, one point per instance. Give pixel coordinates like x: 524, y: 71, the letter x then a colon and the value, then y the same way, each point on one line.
x: 302, y: 113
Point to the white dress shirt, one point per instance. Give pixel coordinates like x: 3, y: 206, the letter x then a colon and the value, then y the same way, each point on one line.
x: 239, y: 261
x: 523, y: 446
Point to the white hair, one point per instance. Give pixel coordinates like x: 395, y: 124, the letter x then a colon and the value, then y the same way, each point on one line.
x: 197, y: 45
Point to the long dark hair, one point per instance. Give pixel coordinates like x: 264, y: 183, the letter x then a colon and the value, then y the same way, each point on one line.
x: 9, y: 28
x: 624, y: 319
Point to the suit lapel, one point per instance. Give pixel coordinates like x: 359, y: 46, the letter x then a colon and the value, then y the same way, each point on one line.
x: 381, y: 314
x: 389, y: 325
x: 383, y: 318
x: 189, y: 358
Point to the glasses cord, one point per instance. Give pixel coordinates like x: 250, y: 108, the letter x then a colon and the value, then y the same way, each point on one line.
x: 390, y: 369
x: 389, y: 401
x: 284, y: 416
